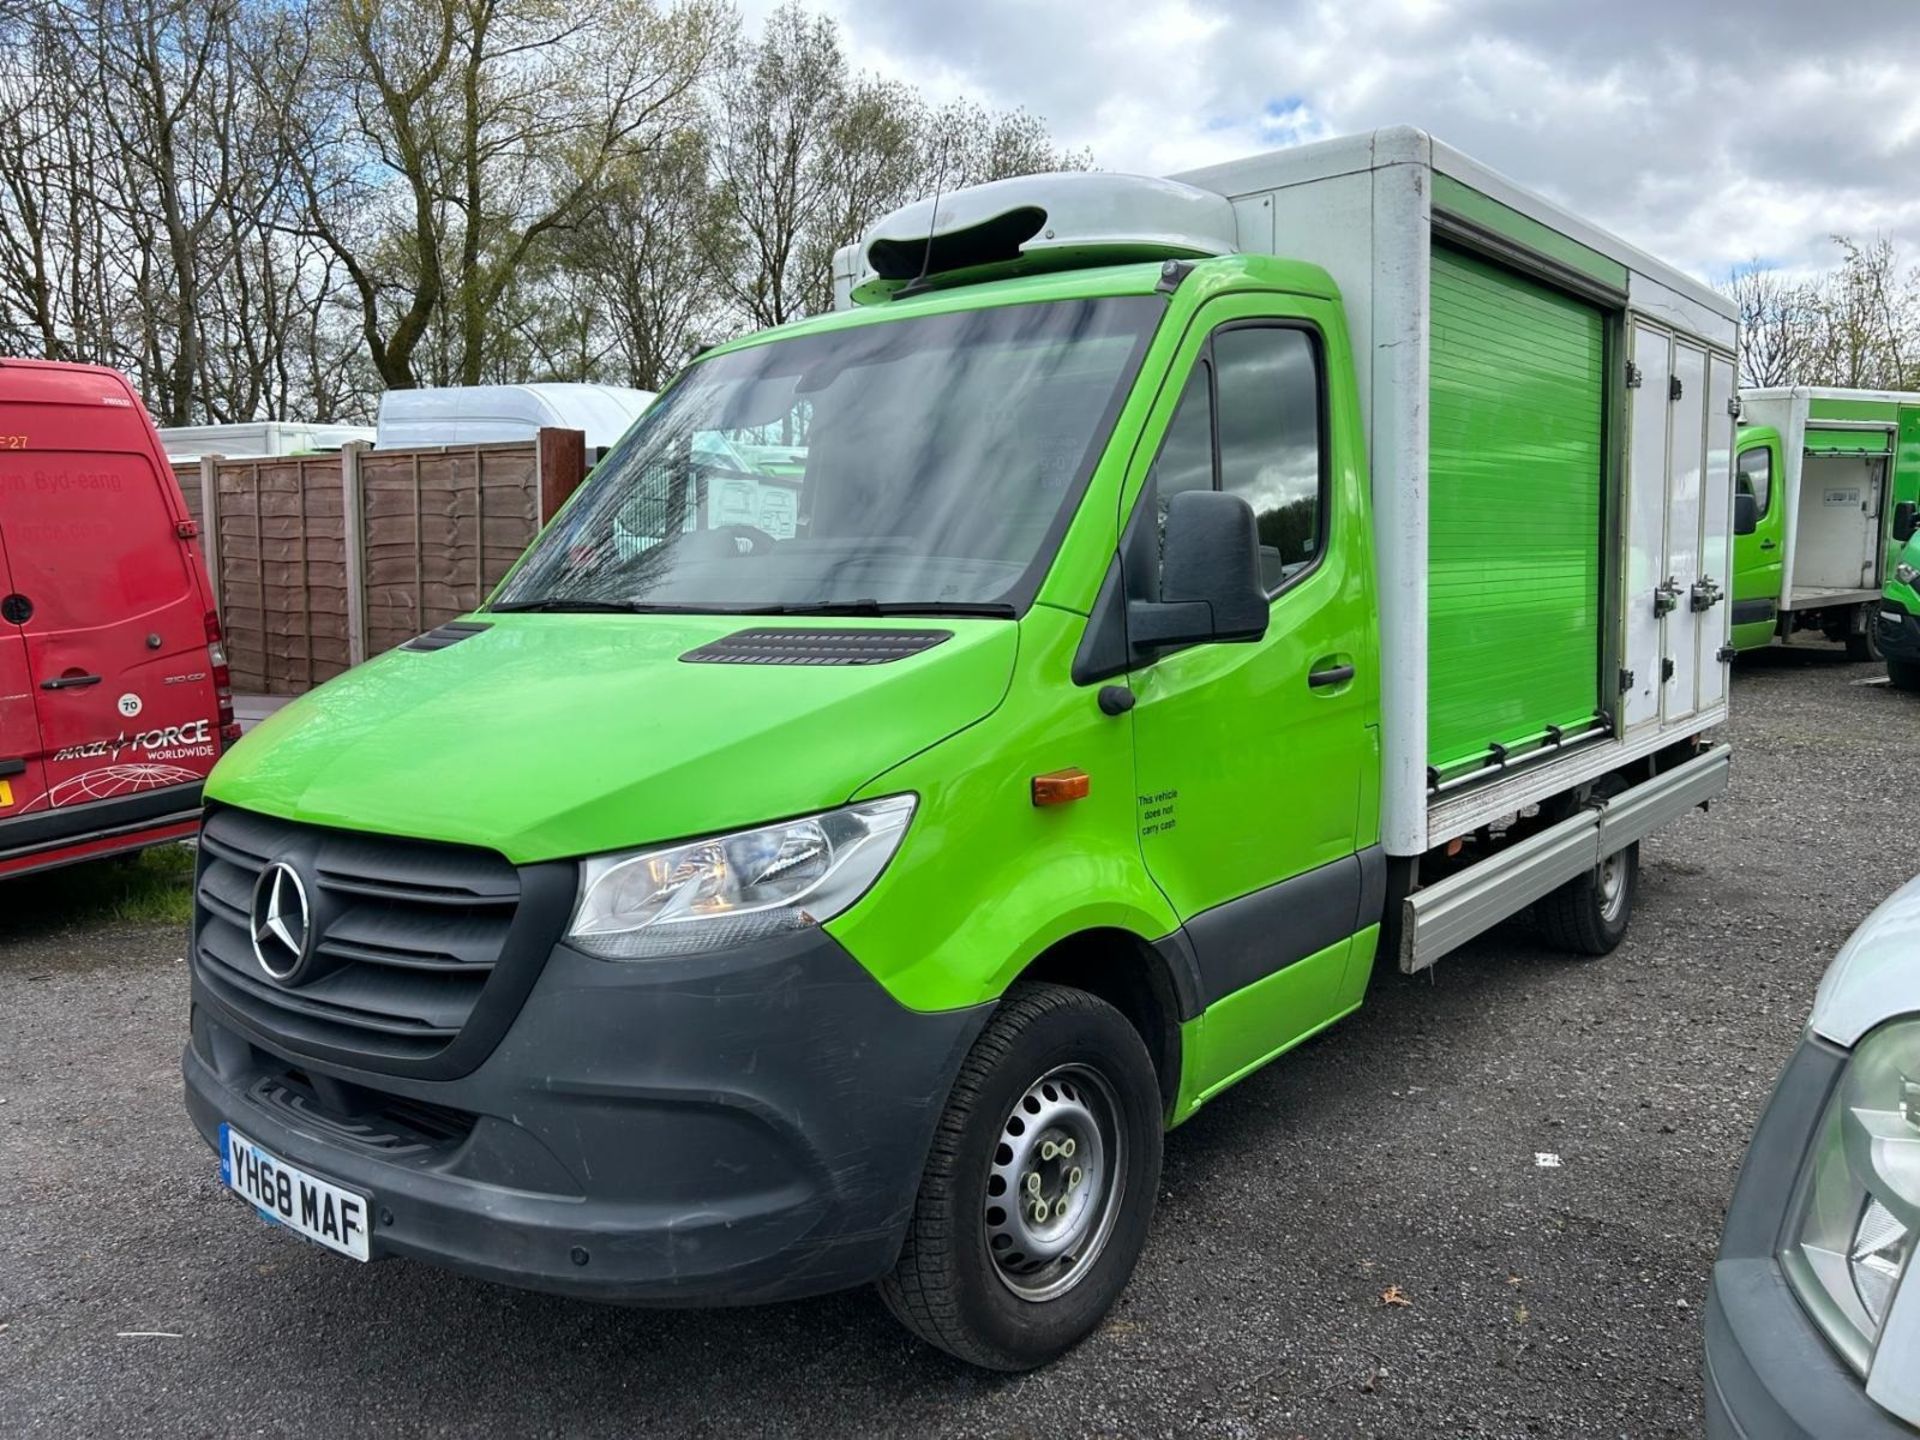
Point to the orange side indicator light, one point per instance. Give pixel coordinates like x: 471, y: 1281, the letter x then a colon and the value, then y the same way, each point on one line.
x: 1057, y: 787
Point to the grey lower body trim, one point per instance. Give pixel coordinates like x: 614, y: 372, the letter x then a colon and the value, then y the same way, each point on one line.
x: 1828, y: 599
x: 1249, y: 938
x: 1752, y: 612
x: 1446, y: 915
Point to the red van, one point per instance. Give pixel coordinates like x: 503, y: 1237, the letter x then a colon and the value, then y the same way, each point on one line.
x: 114, y: 695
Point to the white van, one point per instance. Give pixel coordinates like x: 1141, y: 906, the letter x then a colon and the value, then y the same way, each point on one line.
x: 484, y: 414
x: 185, y: 443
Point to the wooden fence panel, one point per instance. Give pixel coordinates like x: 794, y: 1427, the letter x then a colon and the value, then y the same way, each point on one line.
x: 442, y: 527
x: 283, y: 583
x: 302, y: 566
x: 186, y: 474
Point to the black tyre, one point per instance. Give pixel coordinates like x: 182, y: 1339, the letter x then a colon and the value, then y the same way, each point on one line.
x: 1903, y: 674
x: 1040, y: 1185
x: 1589, y: 915
x: 1865, y: 645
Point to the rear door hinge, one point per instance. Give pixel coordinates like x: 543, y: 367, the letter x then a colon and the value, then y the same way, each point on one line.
x: 1634, y: 377
x: 1725, y: 654
x: 1666, y: 669
x: 1626, y: 680
x: 1735, y: 408
x: 1673, y: 387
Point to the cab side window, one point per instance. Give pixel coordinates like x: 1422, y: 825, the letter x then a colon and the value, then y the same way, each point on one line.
x: 1268, y: 386
x: 1755, y: 477
x: 1248, y: 422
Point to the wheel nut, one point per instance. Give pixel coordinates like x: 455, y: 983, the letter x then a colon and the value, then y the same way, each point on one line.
x: 1040, y: 1211
x: 1048, y: 1149
x: 1067, y: 1148
x: 1033, y: 1182
x: 1073, y: 1177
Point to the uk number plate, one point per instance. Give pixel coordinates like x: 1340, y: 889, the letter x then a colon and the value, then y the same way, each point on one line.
x: 287, y: 1195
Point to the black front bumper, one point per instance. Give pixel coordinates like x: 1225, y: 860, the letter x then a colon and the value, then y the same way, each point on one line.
x: 1770, y: 1374
x: 732, y: 1128
x: 1899, y: 633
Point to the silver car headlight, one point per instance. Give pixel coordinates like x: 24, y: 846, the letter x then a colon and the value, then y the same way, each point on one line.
x: 734, y: 889
x: 1906, y: 574
x: 1858, y: 1215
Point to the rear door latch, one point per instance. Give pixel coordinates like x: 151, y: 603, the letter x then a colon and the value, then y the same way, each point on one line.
x: 1666, y: 596
x: 1706, y: 594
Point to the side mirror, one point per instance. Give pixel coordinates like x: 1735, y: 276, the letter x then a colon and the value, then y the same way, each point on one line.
x: 1210, y: 585
x: 1746, y: 513
x: 1906, y: 520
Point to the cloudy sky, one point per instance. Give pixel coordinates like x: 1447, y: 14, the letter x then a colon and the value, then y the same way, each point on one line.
x: 1709, y: 133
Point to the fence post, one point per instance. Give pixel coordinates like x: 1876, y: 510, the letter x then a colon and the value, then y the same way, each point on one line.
x: 210, y: 529
x: 354, y: 548
x: 559, y: 465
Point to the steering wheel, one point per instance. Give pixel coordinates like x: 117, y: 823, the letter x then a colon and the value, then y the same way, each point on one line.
x: 759, y: 542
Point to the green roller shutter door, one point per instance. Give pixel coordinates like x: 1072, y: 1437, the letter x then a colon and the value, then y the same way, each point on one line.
x: 1516, y: 473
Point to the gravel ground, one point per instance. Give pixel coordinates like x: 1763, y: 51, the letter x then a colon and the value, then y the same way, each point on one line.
x: 1398, y: 1151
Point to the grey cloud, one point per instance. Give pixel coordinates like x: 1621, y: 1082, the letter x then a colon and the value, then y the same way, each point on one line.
x: 1704, y: 132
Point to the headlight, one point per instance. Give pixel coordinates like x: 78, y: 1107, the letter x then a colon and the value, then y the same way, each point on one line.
x: 1906, y: 574
x: 1859, y: 1211
x: 734, y: 889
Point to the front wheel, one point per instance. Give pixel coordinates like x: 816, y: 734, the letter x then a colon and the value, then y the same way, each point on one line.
x: 1040, y: 1186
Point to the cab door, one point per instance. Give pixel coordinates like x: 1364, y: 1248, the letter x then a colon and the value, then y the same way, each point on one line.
x: 1757, y: 568
x: 22, y: 783
x: 1256, y: 764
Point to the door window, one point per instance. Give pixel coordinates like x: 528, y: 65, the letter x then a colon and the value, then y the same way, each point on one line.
x: 1756, y: 478
x: 1249, y: 422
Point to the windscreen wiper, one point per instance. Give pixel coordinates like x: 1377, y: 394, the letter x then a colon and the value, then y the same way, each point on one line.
x: 992, y: 609
x: 562, y: 605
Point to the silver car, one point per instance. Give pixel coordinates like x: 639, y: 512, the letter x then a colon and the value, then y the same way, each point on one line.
x: 1810, y: 1328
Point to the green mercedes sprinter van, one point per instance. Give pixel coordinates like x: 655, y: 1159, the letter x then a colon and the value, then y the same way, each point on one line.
x: 1197, y: 594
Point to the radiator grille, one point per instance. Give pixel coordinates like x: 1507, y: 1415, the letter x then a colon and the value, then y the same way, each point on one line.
x: 405, y: 935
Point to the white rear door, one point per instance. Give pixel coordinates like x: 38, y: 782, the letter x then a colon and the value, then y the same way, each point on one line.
x: 1648, y: 416
x: 1686, y: 464
x: 1716, y: 548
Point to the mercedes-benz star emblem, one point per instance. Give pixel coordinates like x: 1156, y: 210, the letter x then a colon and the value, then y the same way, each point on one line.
x: 282, y: 923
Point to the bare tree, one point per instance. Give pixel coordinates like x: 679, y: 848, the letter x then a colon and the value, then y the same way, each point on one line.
x: 810, y: 154
x: 1779, y: 326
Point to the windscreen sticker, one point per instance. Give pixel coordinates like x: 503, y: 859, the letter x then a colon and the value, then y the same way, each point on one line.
x: 130, y: 705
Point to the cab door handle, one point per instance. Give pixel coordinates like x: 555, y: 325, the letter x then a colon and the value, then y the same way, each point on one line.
x: 70, y: 682
x: 1332, y: 675
x: 1769, y: 544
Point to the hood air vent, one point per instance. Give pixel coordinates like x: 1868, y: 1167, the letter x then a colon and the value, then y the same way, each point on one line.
x: 441, y: 636
x: 815, y: 647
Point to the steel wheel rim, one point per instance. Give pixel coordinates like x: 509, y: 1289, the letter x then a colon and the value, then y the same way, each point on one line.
x: 1054, y: 1182
x: 1613, y: 886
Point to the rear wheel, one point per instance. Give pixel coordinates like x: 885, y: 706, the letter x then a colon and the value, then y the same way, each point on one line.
x: 1863, y: 644
x: 1904, y: 674
x: 1040, y: 1185
x: 1589, y: 915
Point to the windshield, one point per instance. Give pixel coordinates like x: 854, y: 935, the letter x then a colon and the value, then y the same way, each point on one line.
x: 924, y: 464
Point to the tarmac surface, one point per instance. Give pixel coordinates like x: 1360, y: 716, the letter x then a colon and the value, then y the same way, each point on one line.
x: 1400, y: 1154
